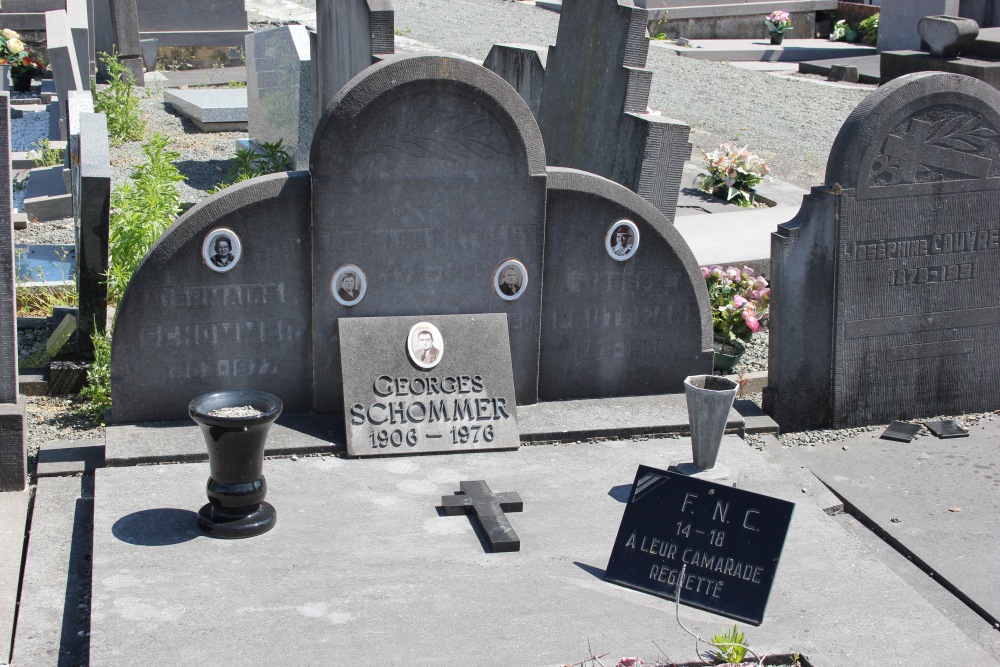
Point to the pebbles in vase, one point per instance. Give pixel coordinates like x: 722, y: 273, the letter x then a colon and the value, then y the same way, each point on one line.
x: 236, y: 411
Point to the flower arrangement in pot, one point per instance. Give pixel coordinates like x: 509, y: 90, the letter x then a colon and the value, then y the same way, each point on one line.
x: 733, y: 173
x: 778, y: 23
x: 739, y: 306
x: 24, y: 61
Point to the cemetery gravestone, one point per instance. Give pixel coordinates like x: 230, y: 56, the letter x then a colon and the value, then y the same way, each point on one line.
x: 520, y: 66
x: 614, y: 326
x: 80, y: 31
x: 13, y: 456
x: 349, y: 33
x: 594, y: 102
x: 884, y: 284
x: 403, y: 396
x: 62, y: 56
x: 116, y: 30
x: 718, y: 545
x: 279, y: 90
x: 898, y: 21
x: 93, y: 215
x: 191, y: 22
x: 428, y: 198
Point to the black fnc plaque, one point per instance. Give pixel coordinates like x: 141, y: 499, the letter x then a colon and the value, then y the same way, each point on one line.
x: 728, y: 542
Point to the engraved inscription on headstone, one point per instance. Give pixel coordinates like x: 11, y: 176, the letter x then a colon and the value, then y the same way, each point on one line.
x: 404, y: 395
x: 908, y: 268
x: 727, y: 541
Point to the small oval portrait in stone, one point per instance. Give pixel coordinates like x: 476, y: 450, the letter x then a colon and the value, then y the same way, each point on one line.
x: 510, y: 279
x: 221, y: 249
x: 622, y: 240
x: 348, y: 285
x: 425, y: 345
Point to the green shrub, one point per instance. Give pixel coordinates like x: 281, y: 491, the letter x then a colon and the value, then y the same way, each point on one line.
x: 119, y: 102
x: 266, y: 158
x: 46, y: 155
x: 141, y: 209
x: 97, y: 392
x: 731, y: 646
x: 868, y: 29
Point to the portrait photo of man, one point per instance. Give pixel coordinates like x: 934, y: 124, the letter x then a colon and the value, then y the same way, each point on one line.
x: 510, y: 279
x: 221, y: 250
x: 348, y: 285
x: 621, y: 240
x: 425, y: 345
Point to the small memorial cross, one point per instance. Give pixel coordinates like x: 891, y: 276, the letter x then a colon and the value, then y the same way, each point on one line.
x: 489, y: 509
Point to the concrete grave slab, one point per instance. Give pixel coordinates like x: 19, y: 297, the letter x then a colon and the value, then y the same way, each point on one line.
x: 325, y: 585
x: 895, y: 64
x: 59, y: 458
x: 46, y: 197
x: 215, y: 110
x: 13, y: 528
x: 761, y: 50
x: 747, y: 234
x: 868, y: 67
x: 936, y: 499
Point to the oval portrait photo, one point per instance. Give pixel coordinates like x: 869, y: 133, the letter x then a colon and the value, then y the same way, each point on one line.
x: 221, y: 249
x: 425, y: 345
x: 348, y: 285
x: 622, y: 240
x: 510, y: 280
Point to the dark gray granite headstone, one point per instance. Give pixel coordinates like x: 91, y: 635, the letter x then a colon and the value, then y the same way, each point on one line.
x: 594, y: 102
x: 185, y: 328
x: 393, y: 406
x: 13, y: 455
x: 279, y: 89
x: 93, y: 210
x: 349, y: 34
x: 884, y: 286
x: 116, y: 25
x: 610, y: 327
x: 520, y: 65
x: 428, y: 174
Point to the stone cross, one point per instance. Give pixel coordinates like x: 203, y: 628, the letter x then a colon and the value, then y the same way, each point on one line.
x: 489, y: 509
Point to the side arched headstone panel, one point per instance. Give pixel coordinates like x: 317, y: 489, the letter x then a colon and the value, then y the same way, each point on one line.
x: 428, y: 175
x: 915, y: 172
x: 617, y: 322
x: 198, y: 316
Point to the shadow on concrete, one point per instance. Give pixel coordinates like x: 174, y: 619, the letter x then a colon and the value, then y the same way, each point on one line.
x: 157, y: 527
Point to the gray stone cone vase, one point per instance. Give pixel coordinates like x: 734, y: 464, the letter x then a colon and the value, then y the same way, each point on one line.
x: 236, y: 487
x: 709, y: 398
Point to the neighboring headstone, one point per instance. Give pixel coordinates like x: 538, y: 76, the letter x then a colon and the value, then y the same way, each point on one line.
x: 884, y: 293
x: 521, y: 66
x: 349, y: 34
x: 719, y: 545
x: 986, y: 13
x: 187, y: 326
x: 62, y: 57
x: 488, y: 508
x: 46, y: 196
x: 13, y: 453
x: 945, y: 36
x: 211, y: 110
x: 279, y: 90
x: 898, y: 20
x: 613, y: 326
x: 79, y: 26
x: 461, y: 399
x: 117, y: 31
x: 192, y: 22
x: 594, y: 102
x: 93, y: 216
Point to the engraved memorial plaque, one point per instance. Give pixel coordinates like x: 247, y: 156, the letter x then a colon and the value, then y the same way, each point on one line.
x: 726, y: 541
x: 404, y: 394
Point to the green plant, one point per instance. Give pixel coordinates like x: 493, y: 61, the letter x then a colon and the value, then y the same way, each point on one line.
x: 660, y: 36
x: 731, y: 646
x: 739, y: 301
x: 842, y: 32
x: 263, y: 158
x: 141, y: 209
x: 19, y: 183
x: 118, y: 100
x: 869, y: 29
x: 46, y: 155
x: 402, y: 31
x: 97, y: 391
x: 735, y: 169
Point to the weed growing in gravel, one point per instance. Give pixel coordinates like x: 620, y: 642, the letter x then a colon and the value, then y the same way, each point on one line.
x: 46, y: 155
x: 119, y: 102
x: 141, y: 209
x: 97, y: 392
x: 730, y: 646
x: 267, y: 158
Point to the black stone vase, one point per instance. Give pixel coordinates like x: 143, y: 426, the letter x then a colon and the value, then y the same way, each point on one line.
x: 236, y: 487
x: 777, y: 36
x: 20, y: 82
